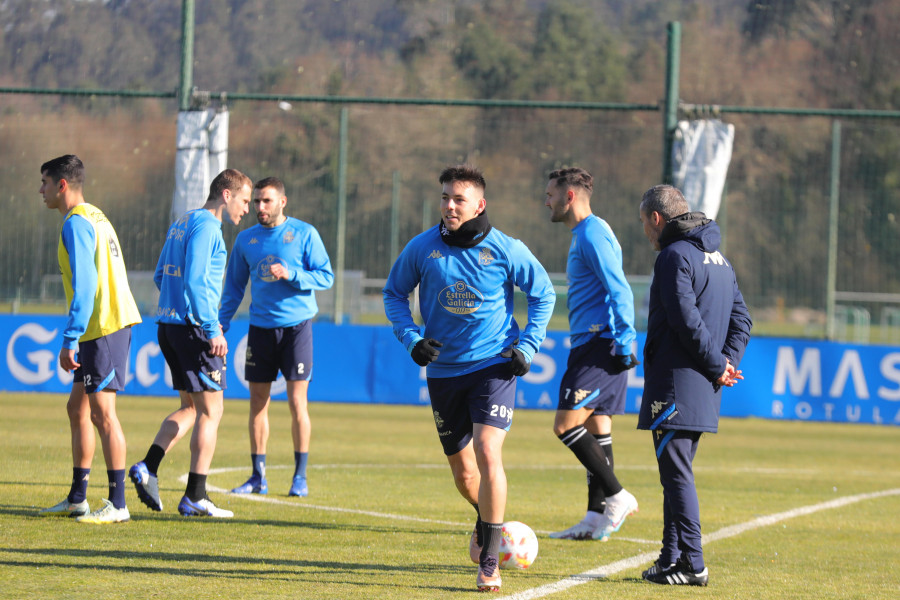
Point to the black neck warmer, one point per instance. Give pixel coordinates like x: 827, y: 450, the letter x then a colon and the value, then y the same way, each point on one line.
x: 470, y: 234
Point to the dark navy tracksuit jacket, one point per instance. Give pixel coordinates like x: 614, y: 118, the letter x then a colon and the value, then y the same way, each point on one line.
x: 697, y: 320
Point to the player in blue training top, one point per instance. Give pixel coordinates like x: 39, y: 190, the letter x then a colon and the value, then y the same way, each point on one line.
x: 189, y: 277
x: 285, y: 261
x: 101, y: 313
x: 471, y: 345
x: 601, y: 324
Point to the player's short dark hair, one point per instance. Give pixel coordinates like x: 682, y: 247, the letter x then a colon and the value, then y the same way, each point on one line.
x: 68, y: 167
x: 229, y: 179
x: 573, y: 177
x: 666, y: 200
x: 466, y: 173
x: 272, y: 182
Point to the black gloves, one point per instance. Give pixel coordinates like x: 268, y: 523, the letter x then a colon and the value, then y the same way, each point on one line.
x: 425, y: 351
x: 622, y: 363
x: 519, y: 365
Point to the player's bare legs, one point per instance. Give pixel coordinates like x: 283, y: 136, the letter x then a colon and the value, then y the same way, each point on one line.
x: 209, y: 407
x: 301, y: 426
x: 174, y: 427
x: 578, y: 429
x: 259, y: 416
x: 258, y: 426
x: 79, y: 411
x: 83, y: 445
x: 488, y: 445
x: 196, y: 502
x: 466, y: 476
x: 176, y: 424
x: 567, y: 419
x: 103, y: 415
x: 599, y: 425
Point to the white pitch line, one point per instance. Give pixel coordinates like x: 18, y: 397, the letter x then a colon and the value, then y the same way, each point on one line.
x: 276, y: 501
x: 726, y: 532
x: 259, y: 498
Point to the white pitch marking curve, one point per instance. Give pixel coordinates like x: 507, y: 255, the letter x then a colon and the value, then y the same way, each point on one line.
x: 726, y: 532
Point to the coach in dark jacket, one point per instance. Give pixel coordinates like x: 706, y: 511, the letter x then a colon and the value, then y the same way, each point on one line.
x: 697, y: 330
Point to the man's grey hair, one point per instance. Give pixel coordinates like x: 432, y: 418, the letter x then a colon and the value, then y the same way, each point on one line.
x: 668, y: 201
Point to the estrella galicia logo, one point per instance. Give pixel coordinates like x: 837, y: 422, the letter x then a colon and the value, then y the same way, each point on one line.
x: 263, y: 268
x: 460, y: 299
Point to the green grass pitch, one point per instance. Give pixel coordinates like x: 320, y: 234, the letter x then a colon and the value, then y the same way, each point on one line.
x: 791, y: 510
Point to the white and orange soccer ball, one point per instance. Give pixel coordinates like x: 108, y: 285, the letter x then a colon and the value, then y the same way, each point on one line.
x: 518, y: 546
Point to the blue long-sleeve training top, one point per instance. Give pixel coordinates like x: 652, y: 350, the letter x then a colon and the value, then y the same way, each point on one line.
x: 190, y: 271
x: 600, y: 300
x: 80, y: 241
x: 466, y: 299
x: 297, y: 246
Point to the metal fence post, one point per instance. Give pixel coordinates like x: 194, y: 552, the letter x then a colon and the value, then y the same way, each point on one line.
x: 670, y: 116
x: 395, y: 216
x: 833, y: 208
x: 187, y: 55
x: 340, y: 261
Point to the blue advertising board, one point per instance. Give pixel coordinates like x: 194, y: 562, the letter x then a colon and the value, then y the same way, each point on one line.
x: 784, y: 378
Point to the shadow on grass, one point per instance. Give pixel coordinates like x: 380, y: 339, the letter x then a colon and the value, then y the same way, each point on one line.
x: 174, y: 517
x: 232, y: 567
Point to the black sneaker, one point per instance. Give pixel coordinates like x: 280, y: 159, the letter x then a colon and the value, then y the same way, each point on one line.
x: 681, y: 573
x: 656, y: 568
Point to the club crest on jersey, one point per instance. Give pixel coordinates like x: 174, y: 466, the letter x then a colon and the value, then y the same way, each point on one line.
x: 263, y: 268
x: 460, y: 298
x: 485, y: 257
x: 288, y: 237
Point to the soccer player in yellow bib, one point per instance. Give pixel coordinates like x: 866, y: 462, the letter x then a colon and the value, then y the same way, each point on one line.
x: 96, y: 338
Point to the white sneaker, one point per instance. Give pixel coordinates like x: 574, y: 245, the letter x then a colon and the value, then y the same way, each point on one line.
x: 583, y: 530
x: 106, y: 514
x: 66, y: 509
x: 618, y: 508
x: 202, y: 508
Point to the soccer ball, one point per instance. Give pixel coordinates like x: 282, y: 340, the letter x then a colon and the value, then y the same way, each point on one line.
x: 518, y: 546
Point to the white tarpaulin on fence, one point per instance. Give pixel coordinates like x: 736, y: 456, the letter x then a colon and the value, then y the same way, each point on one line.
x: 701, y: 152
x: 201, y: 153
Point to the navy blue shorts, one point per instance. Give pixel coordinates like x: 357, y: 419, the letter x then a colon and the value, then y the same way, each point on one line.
x: 486, y: 397
x: 186, y: 350
x: 104, y: 362
x: 590, y: 380
x: 288, y: 349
